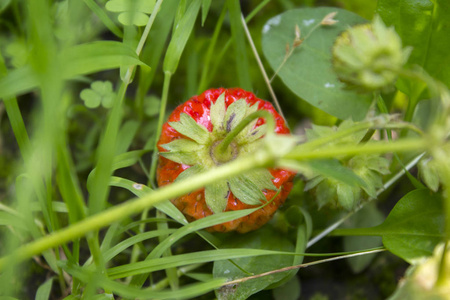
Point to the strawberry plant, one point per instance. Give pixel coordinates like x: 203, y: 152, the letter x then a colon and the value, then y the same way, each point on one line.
x: 232, y: 149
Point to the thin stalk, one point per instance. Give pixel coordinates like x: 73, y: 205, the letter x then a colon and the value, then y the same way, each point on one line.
x: 261, y: 67
x: 321, y: 261
x: 372, y: 148
x: 162, y: 116
x: 119, y: 212
x: 223, y: 146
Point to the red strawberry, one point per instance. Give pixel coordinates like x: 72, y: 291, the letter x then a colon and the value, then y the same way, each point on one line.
x: 188, y: 139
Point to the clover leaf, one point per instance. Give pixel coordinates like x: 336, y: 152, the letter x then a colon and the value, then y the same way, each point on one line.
x: 101, y: 92
x: 131, y: 12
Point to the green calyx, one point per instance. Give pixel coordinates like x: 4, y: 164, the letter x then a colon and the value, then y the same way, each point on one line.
x: 234, y: 134
x: 367, y: 57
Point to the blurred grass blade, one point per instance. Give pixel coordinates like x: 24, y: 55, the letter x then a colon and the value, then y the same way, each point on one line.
x: 203, y: 223
x: 77, y: 60
x: 187, y: 292
x: 126, y: 136
x: 237, y: 32
x: 141, y: 190
x: 97, y: 56
x: 116, y: 249
x: 180, y: 37
x: 156, y: 264
x: 43, y: 292
x: 103, y: 16
x: 205, y: 9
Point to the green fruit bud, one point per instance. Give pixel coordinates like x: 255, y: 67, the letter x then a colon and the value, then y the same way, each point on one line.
x: 367, y: 57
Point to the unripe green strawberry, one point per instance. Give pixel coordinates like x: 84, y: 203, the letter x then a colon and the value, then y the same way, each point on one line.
x: 188, y: 145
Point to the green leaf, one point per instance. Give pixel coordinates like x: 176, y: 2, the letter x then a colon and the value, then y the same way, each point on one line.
x: 216, y: 196
x: 412, y: 229
x: 266, y: 238
x: 77, y: 60
x: 346, y: 196
x: 96, y: 56
x: 188, y: 127
x: 369, y: 215
x: 133, y: 18
x: 205, y: 9
x: 4, y: 4
x: 189, y: 172
x: 424, y: 25
x: 262, y: 179
x: 217, y: 113
x: 43, y: 292
x: 289, y: 291
x: 308, y: 72
x: 145, y: 6
x: 140, y: 190
x: 245, y: 190
x: 240, y: 49
x: 332, y: 168
x: 180, y: 37
x: 235, y: 114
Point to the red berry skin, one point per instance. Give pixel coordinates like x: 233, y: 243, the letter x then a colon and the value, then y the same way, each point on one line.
x: 193, y: 205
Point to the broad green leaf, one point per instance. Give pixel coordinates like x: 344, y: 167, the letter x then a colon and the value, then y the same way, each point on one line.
x: 126, y: 136
x: 180, y: 37
x: 369, y: 215
x: 133, y: 18
x: 424, y: 25
x: 265, y: 238
x: 289, y: 291
x: 308, y: 72
x: 332, y: 168
x: 412, y: 229
x: 43, y: 292
x: 188, y: 127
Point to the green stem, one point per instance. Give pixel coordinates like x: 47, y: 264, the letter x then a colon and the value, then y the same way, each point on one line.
x: 371, y: 148
x: 162, y: 116
x: 222, y: 148
x: 119, y: 212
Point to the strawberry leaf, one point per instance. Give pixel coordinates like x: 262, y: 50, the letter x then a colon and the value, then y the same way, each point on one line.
x: 189, y: 172
x: 188, y: 127
x: 216, y: 196
x: 181, y: 145
x: 346, y: 196
x: 218, y: 113
x: 235, y: 114
x: 187, y: 158
x: 262, y: 179
x: 245, y: 190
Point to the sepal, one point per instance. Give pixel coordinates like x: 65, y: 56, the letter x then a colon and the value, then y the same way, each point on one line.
x: 188, y: 127
x: 216, y: 196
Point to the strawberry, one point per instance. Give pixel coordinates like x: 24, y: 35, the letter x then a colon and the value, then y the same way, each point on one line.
x: 189, y: 145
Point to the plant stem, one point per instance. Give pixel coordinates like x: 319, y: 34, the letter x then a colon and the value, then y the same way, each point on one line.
x: 119, y: 212
x: 162, y: 116
x: 222, y: 148
x: 371, y: 148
